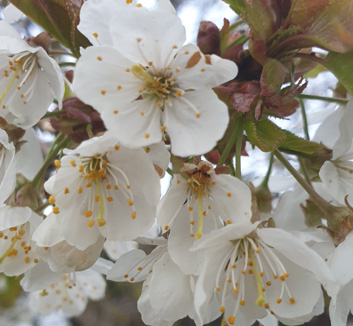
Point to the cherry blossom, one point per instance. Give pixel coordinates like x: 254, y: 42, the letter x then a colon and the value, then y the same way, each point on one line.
x: 30, y: 80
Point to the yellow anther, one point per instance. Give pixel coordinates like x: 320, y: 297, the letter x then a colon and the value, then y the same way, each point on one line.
x: 192, y: 222
x: 203, y: 69
x: 139, y: 269
x: 192, y: 235
x: 56, y: 210
x: 268, y: 283
x: 213, y: 183
x: 133, y: 215
x: 35, y: 260
x: 231, y: 320
x: 110, y: 199
x: 99, y: 58
x: 243, y: 271
x: 57, y: 164
x: 261, y: 274
x: 116, y: 147
x: 266, y: 305
x: 108, y: 187
x: 88, y: 213
x: 275, y: 276
x: 286, y: 274
x: 235, y: 290
x: 291, y: 300
x: 234, y: 266
x: 88, y: 185
x: 119, y: 87
x: 179, y: 94
x: 132, y: 279
x: 90, y: 223
x: 222, y: 309
x: 129, y: 201
x: 229, y: 222
x: 242, y: 302
x: 147, y: 135
x: 251, y: 271
x: 115, y: 111
x: 229, y: 194
x: 103, y: 92
x: 257, y: 250
x: 51, y: 200
x: 79, y: 189
x: 66, y: 191
x: 95, y: 35
x: 279, y: 300
x: 218, y: 288
x: 81, y: 168
x: 126, y: 276
x: 282, y: 278
x: 27, y: 260
x: 198, y: 115
x: 116, y: 187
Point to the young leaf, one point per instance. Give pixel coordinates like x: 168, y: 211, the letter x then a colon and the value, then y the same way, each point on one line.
x: 294, y: 143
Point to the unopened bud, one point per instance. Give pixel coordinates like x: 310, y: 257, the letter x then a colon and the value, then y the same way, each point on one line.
x: 208, y: 38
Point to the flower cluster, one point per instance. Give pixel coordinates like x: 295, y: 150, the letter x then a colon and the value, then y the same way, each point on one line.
x: 141, y: 104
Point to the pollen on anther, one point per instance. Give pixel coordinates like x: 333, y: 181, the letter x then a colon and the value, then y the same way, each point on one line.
x: 282, y: 278
x: 110, y: 199
x: 218, y: 288
x: 129, y: 201
x: 243, y: 271
x: 242, y: 302
x: 115, y: 111
x: 235, y: 291
x: 268, y: 283
x: 51, y: 200
x: 279, y: 300
x: 116, y: 147
x: 222, y: 309
x: 229, y: 222
x: 119, y: 87
x: 56, y: 210
x: 126, y: 276
x: 203, y: 69
x: 229, y: 194
x: 88, y: 185
x: 266, y: 305
x: 166, y: 228
x: 27, y: 260
x: 90, y: 223
x: 147, y: 135
x: 179, y: 93
x: 95, y: 35
x: 99, y: 58
x: 79, y: 190
x: 133, y: 215
x: 88, y: 213
x: 57, y: 164
x: 103, y: 92
x: 186, y: 52
x: 192, y: 222
x: 192, y: 235
x: 291, y: 300
x: 142, y: 113
x: 73, y: 163
x: 231, y: 320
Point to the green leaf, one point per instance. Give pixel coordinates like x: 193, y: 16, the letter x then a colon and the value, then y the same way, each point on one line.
x: 313, y: 73
x: 57, y: 19
x: 264, y: 134
x: 272, y: 77
x: 258, y: 14
x: 297, y: 144
x: 341, y: 65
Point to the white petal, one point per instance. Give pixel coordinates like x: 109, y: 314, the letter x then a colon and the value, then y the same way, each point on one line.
x: 196, y: 122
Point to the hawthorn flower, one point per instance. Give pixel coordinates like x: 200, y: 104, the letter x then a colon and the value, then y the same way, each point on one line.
x: 201, y: 190
x: 18, y: 253
x: 30, y: 79
x: 98, y: 191
x: 253, y: 271
x: 146, y: 83
x: 70, y: 294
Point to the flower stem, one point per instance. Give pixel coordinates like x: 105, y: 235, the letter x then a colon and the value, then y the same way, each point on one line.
x: 58, y: 146
x: 323, y: 98
x: 305, y: 120
x: 238, y: 148
x: 267, y: 177
x: 322, y: 204
x: 53, y: 114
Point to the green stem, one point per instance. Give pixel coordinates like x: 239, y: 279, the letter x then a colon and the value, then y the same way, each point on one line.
x: 323, y: 98
x: 322, y: 204
x: 305, y: 120
x: 232, y: 168
x: 170, y: 172
x: 53, y: 114
x: 229, y: 145
x: 267, y: 177
x: 239, y: 145
x: 37, y: 181
x: 305, y: 171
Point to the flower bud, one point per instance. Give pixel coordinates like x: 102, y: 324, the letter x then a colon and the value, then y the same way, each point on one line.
x: 208, y: 38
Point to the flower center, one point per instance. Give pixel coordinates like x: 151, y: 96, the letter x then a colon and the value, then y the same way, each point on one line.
x: 158, y: 88
x: 251, y: 258
x: 17, y: 70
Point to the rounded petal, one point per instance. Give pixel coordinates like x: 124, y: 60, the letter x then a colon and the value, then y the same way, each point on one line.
x: 195, y: 122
